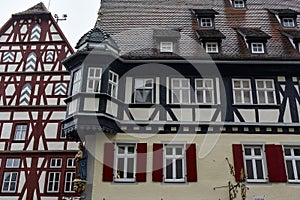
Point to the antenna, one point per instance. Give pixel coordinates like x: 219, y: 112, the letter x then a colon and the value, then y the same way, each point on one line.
x: 64, y: 17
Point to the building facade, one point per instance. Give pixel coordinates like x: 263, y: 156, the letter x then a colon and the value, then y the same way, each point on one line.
x: 189, y: 100
x: 36, y: 161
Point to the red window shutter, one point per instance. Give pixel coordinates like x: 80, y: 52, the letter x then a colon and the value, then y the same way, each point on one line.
x: 108, y: 163
x: 275, y: 163
x: 141, y: 162
x: 157, y: 174
x: 191, y: 163
x: 238, y: 161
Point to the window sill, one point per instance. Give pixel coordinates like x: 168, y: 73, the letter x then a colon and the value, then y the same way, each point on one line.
x: 124, y: 181
x: 257, y: 181
x: 294, y: 182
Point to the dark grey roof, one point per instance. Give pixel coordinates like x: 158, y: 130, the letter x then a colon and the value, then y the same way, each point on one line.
x: 205, y: 12
x: 210, y: 34
x: 39, y: 8
x: 95, y: 35
x: 284, y: 12
x: 293, y: 34
x: 249, y: 33
x: 162, y: 33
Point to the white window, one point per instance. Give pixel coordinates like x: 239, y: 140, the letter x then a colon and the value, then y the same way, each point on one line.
x: 9, y: 181
x: 166, y: 47
x: 55, y: 163
x: 20, y: 132
x: 125, y: 162
x: 242, y: 92
x: 71, y: 163
x: 257, y: 48
x: 12, y: 163
x: 288, y: 22
x: 239, y: 4
x: 211, y: 47
x: 265, y: 91
x: 113, y: 83
x: 254, y: 163
x: 174, y: 162
x: 204, y: 91
x: 143, y: 90
x: 53, y: 182
x: 76, y: 82
x: 69, y: 181
x: 180, y: 90
x: 292, y: 161
x: 94, y: 79
x: 206, y: 22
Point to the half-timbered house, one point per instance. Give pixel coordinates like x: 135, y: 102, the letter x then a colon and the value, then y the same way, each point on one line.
x: 189, y: 99
x: 36, y: 161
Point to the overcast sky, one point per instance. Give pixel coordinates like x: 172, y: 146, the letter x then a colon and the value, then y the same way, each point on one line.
x: 82, y: 14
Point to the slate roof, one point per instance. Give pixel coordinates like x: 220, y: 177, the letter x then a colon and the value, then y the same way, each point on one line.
x: 132, y: 23
x: 249, y: 33
x: 39, y: 8
x: 210, y: 34
x: 95, y: 35
x: 293, y: 34
x: 284, y: 12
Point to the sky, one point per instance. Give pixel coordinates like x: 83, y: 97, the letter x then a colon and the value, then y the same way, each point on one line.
x: 82, y: 14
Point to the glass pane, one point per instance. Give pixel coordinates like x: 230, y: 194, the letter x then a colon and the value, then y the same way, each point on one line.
x: 7, y: 177
x: 9, y: 163
x: 247, y: 96
x: 246, y: 84
x: 261, y: 97
x: 98, y: 72
x: 176, y: 83
x: 259, y: 168
x: 179, y: 173
x: 248, y: 151
x: 175, y: 96
x: 290, y: 170
x: 148, y: 83
x: 208, y: 96
x: 14, y: 177
x: 55, y: 186
x: 270, y: 97
x: 297, y: 152
x: 208, y: 83
x: 298, y: 168
x: 178, y: 151
x: 169, y: 151
x: 237, y: 84
x: 91, y: 72
x: 269, y: 84
x: 131, y: 150
x: 249, y: 169
x: 185, y: 83
x: 257, y: 151
x: 121, y: 149
x: 5, y: 186
x: 148, y: 96
x: 50, y: 188
x: 51, y: 177
x: 185, y: 96
x: 12, y: 186
x: 130, y: 164
x: 120, y: 168
x: 238, y: 97
x: 139, y: 83
x: 259, y: 84
x: 200, y: 96
x: 199, y: 83
x: 169, y: 169
x: 287, y: 152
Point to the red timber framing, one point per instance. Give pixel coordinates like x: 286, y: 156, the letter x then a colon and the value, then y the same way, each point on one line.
x: 35, y: 159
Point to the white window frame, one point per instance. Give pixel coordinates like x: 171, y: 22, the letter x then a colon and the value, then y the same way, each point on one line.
x: 204, y: 89
x: 77, y: 76
x: 113, y: 84
x: 73, y: 161
x: 13, y: 163
x: 55, y: 163
x: 69, y: 181
x: 288, y: 22
x: 20, y: 132
x: 174, y: 157
x: 94, y: 80
x: 166, y: 47
x: 212, y: 47
x: 180, y: 89
x: 10, y: 182
x: 54, y: 181
x: 144, y: 87
x: 125, y: 156
x: 256, y: 46
x: 253, y: 159
x: 292, y: 158
x: 241, y: 90
x: 238, y: 3
x: 265, y: 90
x: 206, y: 22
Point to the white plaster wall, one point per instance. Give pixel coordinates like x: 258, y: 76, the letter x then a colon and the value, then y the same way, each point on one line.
x: 91, y: 104
x: 6, y: 130
x: 55, y: 146
x: 141, y: 113
x: 112, y: 108
x: 128, y: 90
x: 204, y: 114
x: 21, y: 116
x: 17, y: 146
x: 268, y: 115
x: 51, y: 130
x: 5, y: 115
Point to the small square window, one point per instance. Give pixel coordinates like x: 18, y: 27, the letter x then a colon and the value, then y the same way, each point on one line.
x: 257, y: 48
x: 71, y: 163
x: 20, y: 132
x: 265, y: 91
x: 9, y: 183
x: 12, y: 163
x: 166, y: 47
x: 288, y: 22
x: 94, y: 79
x: 211, y: 47
x: 206, y: 22
x: 238, y: 4
x: 204, y: 90
x: 180, y: 88
x: 242, y: 92
x: 143, y: 90
x: 55, y: 163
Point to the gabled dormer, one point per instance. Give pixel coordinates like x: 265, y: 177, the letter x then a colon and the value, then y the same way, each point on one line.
x: 205, y: 17
x: 238, y: 4
x: 286, y: 17
x: 166, y: 40
x: 211, y: 40
x: 255, y: 39
x: 294, y: 38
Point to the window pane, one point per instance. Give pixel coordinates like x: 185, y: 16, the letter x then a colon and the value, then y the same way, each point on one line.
x: 247, y: 151
x: 178, y: 151
x: 247, y: 97
x: 238, y: 97
x: 121, y: 149
x: 131, y: 150
x: 120, y: 167
x: 237, y: 84
x: 259, y: 168
x: 169, y: 169
x: 169, y: 151
x: 208, y: 96
x: 261, y: 97
x: 290, y: 170
x: 246, y: 84
x: 176, y: 83
x: 257, y: 151
x: 199, y: 83
x: 249, y: 169
x: 200, y: 96
x: 130, y: 164
x: 298, y: 168
x: 179, y: 173
x: 185, y: 96
x: 12, y: 186
x: 259, y: 84
x: 297, y: 152
x: 185, y: 83
x: 270, y: 97
x: 287, y: 152
x: 175, y: 96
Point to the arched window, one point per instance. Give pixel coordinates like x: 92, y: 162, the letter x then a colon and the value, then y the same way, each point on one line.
x: 25, y: 95
x: 35, y: 33
x: 30, y: 63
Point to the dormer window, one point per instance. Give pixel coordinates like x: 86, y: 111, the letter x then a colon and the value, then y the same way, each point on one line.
x: 238, y: 3
x: 293, y: 36
x: 211, y: 47
x: 166, y: 47
x: 206, y: 22
x: 288, y: 22
x: 257, y: 47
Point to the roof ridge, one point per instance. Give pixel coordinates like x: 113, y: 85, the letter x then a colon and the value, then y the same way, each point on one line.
x: 39, y: 8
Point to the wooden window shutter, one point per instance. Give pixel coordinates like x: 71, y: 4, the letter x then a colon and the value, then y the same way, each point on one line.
x: 238, y: 161
x: 108, y: 162
x: 275, y: 163
x: 157, y: 174
x: 141, y: 167
x: 191, y: 163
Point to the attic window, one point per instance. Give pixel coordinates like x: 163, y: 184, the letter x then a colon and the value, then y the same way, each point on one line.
x: 211, y: 47
x: 206, y: 22
x: 239, y: 4
x: 257, y: 47
x: 286, y: 17
x: 205, y: 17
x: 293, y: 36
x: 166, y: 47
x: 288, y: 22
